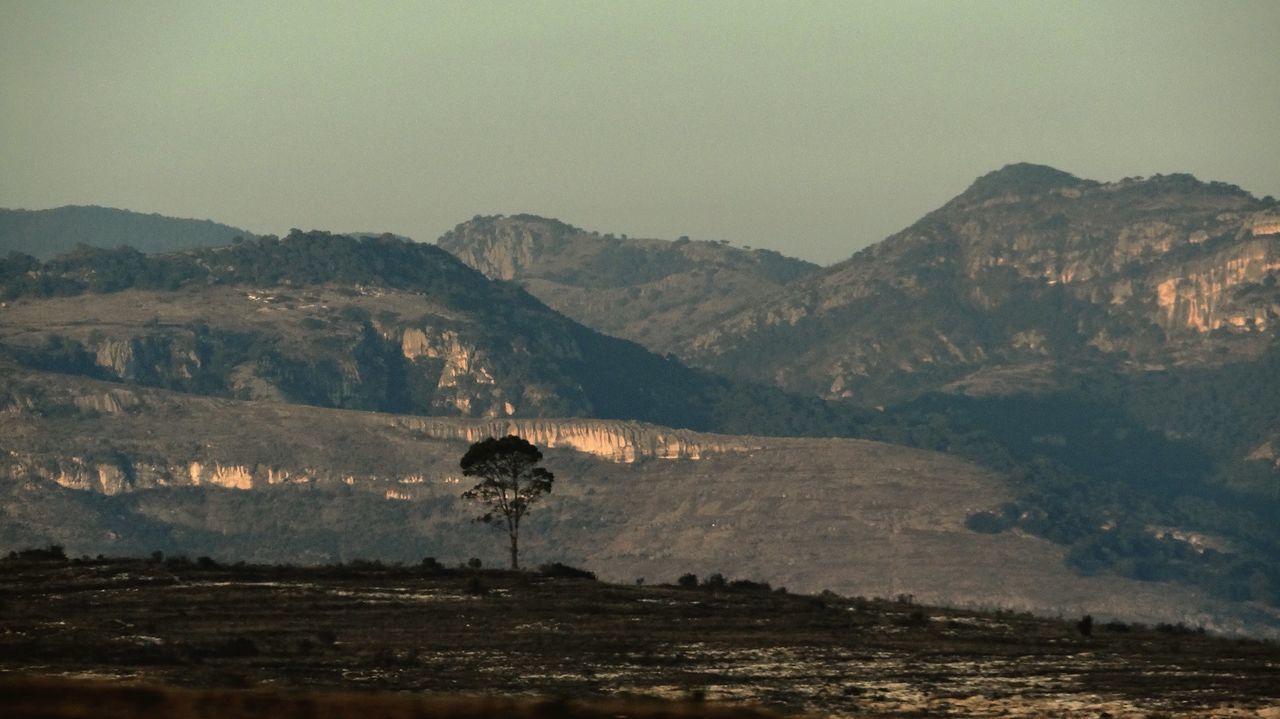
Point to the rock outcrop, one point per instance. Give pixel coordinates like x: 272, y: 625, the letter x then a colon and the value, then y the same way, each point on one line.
x: 615, y: 441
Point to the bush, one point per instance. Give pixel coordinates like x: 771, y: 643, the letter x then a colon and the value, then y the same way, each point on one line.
x: 51, y: 553
x: 715, y: 581
x: 687, y: 581
x: 987, y: 523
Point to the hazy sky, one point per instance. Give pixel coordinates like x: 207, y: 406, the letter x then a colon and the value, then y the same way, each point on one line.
x: 811, y: 128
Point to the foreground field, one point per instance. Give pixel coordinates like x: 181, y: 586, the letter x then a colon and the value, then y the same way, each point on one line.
x: 529, y: 635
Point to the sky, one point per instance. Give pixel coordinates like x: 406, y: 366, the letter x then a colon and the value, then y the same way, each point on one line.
x: 811, y: 128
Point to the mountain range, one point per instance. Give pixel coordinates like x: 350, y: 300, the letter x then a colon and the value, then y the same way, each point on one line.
x: 1104, y: 352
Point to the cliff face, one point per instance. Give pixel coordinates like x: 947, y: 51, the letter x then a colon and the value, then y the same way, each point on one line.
x: 1206, y: 295
x: 614, y: 441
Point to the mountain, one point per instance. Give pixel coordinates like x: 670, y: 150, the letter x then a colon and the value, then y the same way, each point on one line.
x: 100, y: 467
x: 377, y: 324
x: 1162, y: 473
x: 45, y: 233
x: 1029, y: 270
x: 653, y: 292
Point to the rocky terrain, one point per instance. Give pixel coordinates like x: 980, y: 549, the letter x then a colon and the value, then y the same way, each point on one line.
x: 657, y: 293
x: 431, y: 633
x: 46, y: 233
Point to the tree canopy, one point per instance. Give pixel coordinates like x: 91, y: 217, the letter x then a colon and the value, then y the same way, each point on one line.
x: 510, y: 481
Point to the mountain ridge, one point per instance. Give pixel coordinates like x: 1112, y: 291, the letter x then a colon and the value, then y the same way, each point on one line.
x: 46, y: 233
x: 653, y: 292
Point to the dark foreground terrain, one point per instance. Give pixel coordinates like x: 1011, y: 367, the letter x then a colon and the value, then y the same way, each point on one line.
x: 281, y: 630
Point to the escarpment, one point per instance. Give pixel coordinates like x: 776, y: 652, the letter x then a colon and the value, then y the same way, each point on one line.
x: 615, y: 441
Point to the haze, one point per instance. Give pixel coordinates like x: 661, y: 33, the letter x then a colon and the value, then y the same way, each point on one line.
x: 814, y: 129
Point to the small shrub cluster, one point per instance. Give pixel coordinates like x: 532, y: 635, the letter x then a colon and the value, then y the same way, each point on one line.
x: 51, y: 553
x: 717, y: 582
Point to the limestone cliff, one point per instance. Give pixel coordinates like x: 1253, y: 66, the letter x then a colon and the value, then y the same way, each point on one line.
x: 112, y: 440
x: 615, y: 441
x: 1202, y: 295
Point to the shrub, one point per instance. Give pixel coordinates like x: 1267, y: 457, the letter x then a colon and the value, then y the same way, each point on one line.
x: 51, y: 553
x: 987, y: 523
x: 687, y: 581
x: 715, y: 581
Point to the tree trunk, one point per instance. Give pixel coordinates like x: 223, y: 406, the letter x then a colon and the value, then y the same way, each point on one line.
x: 515, y: 551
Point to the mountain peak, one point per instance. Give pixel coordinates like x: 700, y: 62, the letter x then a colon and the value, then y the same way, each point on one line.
x: 1021, y: 178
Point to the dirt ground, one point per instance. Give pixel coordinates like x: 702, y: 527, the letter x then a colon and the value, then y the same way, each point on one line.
x: 447, y: 632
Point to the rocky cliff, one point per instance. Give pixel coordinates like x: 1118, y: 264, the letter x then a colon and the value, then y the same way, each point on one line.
x: 615, y: 441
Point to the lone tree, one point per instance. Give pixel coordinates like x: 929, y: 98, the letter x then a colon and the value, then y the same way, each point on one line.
x: 510, y: 481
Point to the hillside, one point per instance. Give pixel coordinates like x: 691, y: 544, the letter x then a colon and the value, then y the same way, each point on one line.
x: 653, y: 292
x: 1115, y: 342
x: 101, y: 468
x: 45, y: 233
x: 1036, y: 303
x: 375, y: 324
x: 1028, y: 270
